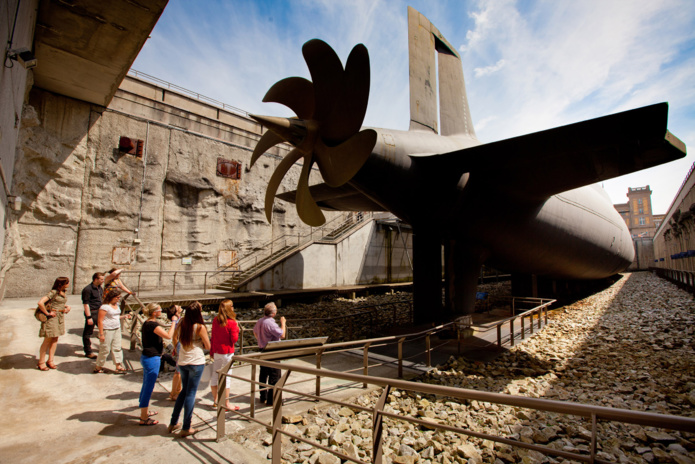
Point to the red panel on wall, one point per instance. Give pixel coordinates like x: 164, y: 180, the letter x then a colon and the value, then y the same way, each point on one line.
x: 228, y: 168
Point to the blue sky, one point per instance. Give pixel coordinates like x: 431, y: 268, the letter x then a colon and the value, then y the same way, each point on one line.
x: 529, y: 66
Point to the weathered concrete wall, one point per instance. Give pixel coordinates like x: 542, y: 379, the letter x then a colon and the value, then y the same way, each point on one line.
x: 644, y: 254
x: 85, y: 201
x: 15, y: 82
x: 373, y: 254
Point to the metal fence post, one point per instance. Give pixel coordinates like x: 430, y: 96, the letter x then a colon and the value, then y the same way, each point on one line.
x: 428, y: 347
x: 499, y: 335
x: 222, y: 400
x: 511, y: 332
x: 365, y: 360
x: 252, y: 399
x: 400, y: 357
x: 318, y: 377
x: 205, y: 284
x: 523, y: 329
x: 174, y: 290
x: 277, y: 418
x: 378, y: 427
x: 592, y: 457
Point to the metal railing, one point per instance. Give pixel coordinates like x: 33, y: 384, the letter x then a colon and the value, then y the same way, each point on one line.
x: 291, y: 242
x: 379, y: 412
x: 190, y: 93
x: 174, y: 274
x: 683, y: 279
x: 348, y: 346
x: 539, y: 311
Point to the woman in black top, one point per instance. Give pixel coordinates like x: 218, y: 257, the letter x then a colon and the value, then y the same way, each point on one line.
x: 152, y: 347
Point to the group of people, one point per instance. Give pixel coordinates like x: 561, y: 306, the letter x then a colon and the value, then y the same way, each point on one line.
x: 188, y: 334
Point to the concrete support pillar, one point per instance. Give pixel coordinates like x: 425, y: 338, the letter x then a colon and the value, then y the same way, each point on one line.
x: 427, y: 277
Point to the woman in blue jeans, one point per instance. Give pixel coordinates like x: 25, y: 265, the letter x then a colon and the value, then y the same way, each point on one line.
x: 152, y: 347
x: 193, y: 335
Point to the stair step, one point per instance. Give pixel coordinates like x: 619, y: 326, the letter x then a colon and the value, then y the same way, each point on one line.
x: 260, y: 266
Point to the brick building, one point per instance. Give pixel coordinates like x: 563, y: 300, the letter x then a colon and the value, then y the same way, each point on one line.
x: 637, y: 212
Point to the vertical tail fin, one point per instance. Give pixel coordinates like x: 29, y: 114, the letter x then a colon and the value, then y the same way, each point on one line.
x: 424, y: 39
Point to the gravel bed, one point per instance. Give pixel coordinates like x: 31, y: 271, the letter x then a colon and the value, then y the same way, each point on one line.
x: 630, y: 346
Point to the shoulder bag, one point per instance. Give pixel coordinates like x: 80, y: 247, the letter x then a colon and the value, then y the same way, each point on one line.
x: 40, y: 315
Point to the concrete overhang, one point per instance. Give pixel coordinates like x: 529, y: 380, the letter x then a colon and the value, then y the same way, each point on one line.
x: 85, y: 48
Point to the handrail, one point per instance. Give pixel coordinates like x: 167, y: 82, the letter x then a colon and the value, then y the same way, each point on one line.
x: 175, y: 273
x: 190, y: 93
x: 561, y: 407
x: 294, y: 241
x: 540, y: 310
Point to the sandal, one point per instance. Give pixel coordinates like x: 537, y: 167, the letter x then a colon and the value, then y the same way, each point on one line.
x: 148, y: 421
x: 98, y: 370
x: 152, y: 413
x: 51, y: 365
x: 120, y: 369
x: 187, y: 433
x: 44, y: 368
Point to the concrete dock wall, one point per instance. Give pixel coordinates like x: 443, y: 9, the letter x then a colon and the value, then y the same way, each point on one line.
x: 88, y: 207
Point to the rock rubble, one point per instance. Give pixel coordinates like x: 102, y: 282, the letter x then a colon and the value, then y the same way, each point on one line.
x: 630, y: 346
x: 340, y: 318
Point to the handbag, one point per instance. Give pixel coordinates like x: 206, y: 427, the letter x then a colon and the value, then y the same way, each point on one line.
x: 40, y: 315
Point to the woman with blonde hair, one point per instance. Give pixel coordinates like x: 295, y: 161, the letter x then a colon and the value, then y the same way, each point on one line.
x: 151, y: 358
x: 194, y: 339
x: 225, y: 333
x: 54, y: 307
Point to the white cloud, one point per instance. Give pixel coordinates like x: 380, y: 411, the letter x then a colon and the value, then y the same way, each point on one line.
x: 487, y: 70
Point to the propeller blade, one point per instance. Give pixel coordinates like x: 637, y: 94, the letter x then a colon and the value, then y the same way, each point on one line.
x: 340, y: 164
x: 327, y: 75
x: 268, y: 141
x: 307, y: 209
x: 276, y: 180
x: 350, y: 106
x: 296, y: 93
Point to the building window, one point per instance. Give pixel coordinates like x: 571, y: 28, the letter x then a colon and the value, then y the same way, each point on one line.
x: 641, y: 210
x: 641, y: 221
x: 639, y: 201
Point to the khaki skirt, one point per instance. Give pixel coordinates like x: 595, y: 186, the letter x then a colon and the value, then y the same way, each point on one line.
x: 53, y: 327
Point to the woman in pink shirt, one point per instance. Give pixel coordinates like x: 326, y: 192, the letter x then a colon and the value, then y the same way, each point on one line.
x: 225, y: 333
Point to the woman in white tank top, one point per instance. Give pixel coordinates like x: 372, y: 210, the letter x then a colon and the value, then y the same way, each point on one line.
x: 193, y: 335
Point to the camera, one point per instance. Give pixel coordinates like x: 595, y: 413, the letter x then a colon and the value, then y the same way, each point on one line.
x: 24, y: 57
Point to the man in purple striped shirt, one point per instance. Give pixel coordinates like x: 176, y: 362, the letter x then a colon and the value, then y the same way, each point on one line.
x: 266, y: 330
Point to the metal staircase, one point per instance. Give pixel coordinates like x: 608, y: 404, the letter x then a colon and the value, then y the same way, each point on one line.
x: 271, y: 253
